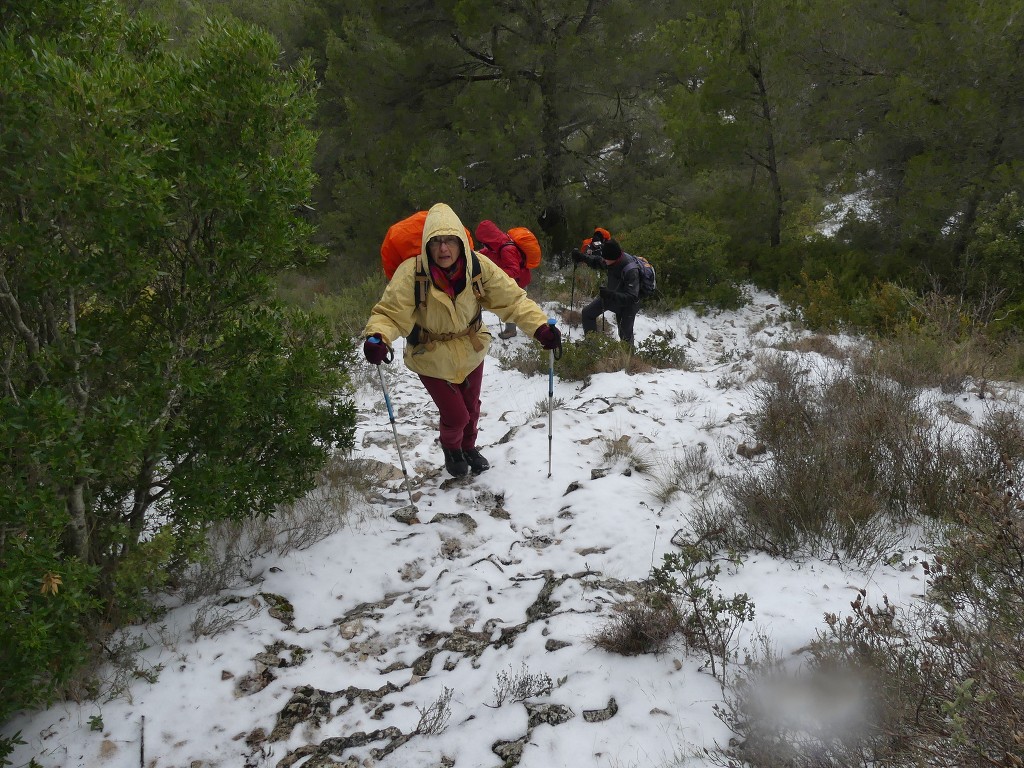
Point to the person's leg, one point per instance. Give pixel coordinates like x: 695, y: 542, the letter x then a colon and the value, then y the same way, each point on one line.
x: 470, y: 391
x: 454, y: 416
x: 509, y: 332
x: 626, y: 325
x: 590, y: 313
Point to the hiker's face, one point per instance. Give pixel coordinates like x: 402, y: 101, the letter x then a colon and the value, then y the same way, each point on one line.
x: 444, y: 250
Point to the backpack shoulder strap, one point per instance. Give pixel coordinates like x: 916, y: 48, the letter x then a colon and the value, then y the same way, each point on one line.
x: 422, y: 287
x: 477, y: 277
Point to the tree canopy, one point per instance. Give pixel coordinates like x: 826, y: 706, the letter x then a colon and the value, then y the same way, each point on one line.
x: 150, y: 191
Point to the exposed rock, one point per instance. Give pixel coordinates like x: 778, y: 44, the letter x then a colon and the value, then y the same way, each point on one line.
x: 306, y: 704
x: 600, y: 715
x: 350, y: 629
x: 510, y: 751
x: 462, y: 517
x: 556, y: 645
x: 255, y: 681
x: 309, y: 704
x: 406, y: 515
x: 255, y: 736
x: 280, y: 608
x: 321, y: 754
x: 548, y: 714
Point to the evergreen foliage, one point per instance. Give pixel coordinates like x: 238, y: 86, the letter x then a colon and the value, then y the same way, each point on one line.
x: 150, y: 384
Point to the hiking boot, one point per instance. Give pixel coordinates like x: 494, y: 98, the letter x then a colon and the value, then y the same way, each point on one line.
x: 476, y: 461
x: 455, y: 462
x: 509, y: 332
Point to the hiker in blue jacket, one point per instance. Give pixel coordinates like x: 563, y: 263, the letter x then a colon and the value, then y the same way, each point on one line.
x: 621, y: 295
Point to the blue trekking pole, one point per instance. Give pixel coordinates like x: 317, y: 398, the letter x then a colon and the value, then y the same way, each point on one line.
x: 391, y: 417
x: 551, y: 395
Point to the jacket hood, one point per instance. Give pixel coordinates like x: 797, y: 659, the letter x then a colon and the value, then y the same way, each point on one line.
x: 442, y: 220
x: 491, y: 235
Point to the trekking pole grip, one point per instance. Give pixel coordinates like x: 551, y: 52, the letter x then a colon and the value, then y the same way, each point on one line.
x: 390, y: 354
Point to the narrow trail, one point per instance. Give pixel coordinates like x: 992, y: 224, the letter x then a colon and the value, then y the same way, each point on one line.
x: 464, y: 635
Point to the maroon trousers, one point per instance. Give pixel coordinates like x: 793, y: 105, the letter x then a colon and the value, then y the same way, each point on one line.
x: 459, y: 406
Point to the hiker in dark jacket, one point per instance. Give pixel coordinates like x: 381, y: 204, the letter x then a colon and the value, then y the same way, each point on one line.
x: 621, y: 295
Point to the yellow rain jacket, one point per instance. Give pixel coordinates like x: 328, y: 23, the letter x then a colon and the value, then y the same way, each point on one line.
x: 451, y: 359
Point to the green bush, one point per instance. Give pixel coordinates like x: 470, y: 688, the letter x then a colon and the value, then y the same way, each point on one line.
x: 826, y: 304
x: 993, y: 269
x: 46, y: 609
x: 594, y: 353
x: 690, y: 254
x: 659, y: 349
x: 149, y: 372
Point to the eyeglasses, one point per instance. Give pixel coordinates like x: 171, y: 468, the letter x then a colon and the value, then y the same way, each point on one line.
x: 450, y: 240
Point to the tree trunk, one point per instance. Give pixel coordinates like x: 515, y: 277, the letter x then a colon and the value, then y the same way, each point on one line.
x: 552, y: 219
x: 77, y: 531
x: 770, y: 162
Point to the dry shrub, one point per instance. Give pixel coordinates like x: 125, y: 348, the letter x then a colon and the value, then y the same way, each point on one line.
x: 851, y: 461
x: 915, y: 360
x: 646, y: 624
x: 817, y: 343
x: 946, y: 343
x: 691, y: 471
x: 621, y: 448
x: 232, y: 546
x: 938, y: 684
x: 838, y: 708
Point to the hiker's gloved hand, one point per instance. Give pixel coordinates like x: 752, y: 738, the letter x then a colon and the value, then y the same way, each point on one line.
x: 375, y: 350
x: 577, y: 257
x: 549, y: 336
x: 607, y: 296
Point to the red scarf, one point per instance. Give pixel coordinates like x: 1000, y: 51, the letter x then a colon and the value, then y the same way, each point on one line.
x: 451, y: 282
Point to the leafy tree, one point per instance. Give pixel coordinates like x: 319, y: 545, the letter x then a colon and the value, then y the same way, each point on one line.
x: 149, y: 193
x: 735, y: 113
x: 527, y: 112
x: 923, y: 106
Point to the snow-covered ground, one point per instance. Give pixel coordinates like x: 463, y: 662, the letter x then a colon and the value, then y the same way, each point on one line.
x: 504, y: 580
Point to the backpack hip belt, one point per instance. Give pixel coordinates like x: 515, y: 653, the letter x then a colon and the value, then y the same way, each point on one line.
x: 429, y: 339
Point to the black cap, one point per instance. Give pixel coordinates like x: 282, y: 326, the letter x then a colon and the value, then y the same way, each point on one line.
x: 597, y: 237
x: 611, y: 250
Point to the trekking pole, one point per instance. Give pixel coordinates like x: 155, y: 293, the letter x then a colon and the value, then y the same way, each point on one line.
x: 572, y: 293
x: 391, y: 417
x: 551, y: 394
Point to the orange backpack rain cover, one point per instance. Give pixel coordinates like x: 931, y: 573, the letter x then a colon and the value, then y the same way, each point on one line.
x: 528, y: 244
x: 403, y: 241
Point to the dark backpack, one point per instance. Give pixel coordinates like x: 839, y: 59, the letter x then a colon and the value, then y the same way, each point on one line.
x: 648, y: 277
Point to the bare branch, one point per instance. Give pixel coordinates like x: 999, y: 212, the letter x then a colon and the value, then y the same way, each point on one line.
x: 12, y: 311
x: 8, y: 383
x: 472, y: 52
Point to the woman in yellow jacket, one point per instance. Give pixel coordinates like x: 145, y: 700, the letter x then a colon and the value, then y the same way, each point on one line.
x: 435, y: 301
